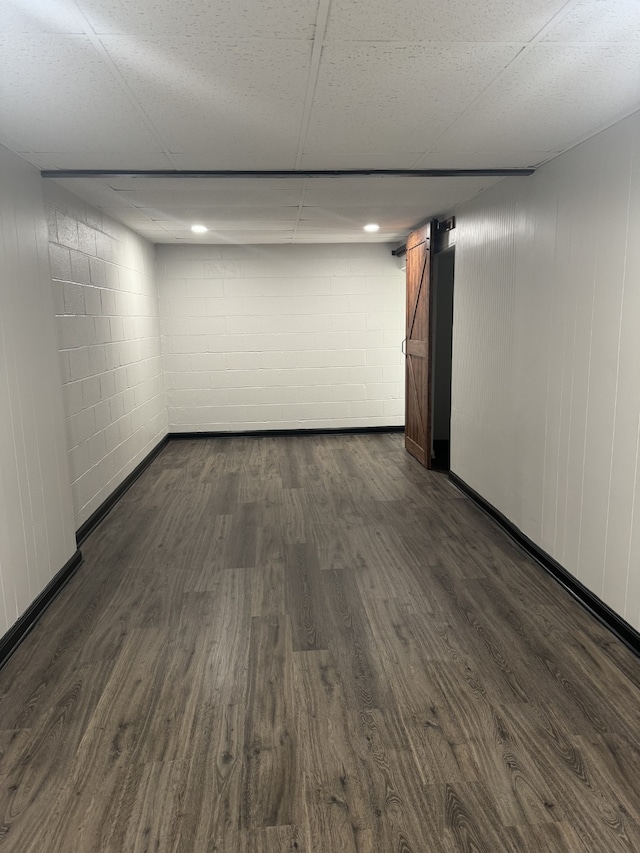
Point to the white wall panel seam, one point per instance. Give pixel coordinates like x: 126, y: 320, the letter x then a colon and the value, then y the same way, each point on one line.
x: 586, y: 416
x: 615, y: 405
x: 633, y: 519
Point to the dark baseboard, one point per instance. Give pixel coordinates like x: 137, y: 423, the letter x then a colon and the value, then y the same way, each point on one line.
x: 107, y: 505
x: 625, y: 632
x: 265, y: 433
x: 19, y: 630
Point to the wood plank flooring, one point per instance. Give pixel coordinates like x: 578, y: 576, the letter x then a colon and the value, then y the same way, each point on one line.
x: 313, y: 644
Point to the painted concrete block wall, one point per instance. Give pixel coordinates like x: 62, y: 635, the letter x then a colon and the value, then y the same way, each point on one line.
x: 546, y: 395
x: 36, y: 518
x: 266, y: 337
x: 109, y: 340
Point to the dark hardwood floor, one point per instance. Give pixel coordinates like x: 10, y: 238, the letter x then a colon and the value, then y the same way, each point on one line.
x: 313, y: 644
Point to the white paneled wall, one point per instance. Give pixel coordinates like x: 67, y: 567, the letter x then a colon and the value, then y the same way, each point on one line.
x: 110, y: 352
x: 546, y: 385
x: 267, y: 337
x: 36, y: 519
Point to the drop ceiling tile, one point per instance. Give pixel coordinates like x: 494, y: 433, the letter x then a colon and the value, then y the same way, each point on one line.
x: 551, y: 99
x: 234, y: 161
x: 454, y: 21
x: 351, y: 227
x: 231, y: 196
x: 107, y: 160
x: 231, y: 216
x: 497, y: 158
x: 57, y: 94
x: 346, y: 237
x: 348, y: 192
x: 359, y: 216
x: 240, y: 97
x: 382, y: 98
x: 40, y: 161
x: 143, y: 226
x: 38, y: 17
x: 238, y: 237
x: 278, y: 19
x: 601, y: 21
x: 246, y: 190
x: 360, y: 160
x: 94, y: 190
x: 221, y: 227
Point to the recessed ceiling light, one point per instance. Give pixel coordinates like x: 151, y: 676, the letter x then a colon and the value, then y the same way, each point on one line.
x: 372, y: 227
x: 199, y: 229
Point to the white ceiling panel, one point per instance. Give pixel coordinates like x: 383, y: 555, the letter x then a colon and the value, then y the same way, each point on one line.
x: 284, y: 225
x: 227, y: 95
x: 234, y: 237
x: 341, y: 236
x: 360, y: 160
x: 241, y: 190
x: 602, y: 21
x: 500, y: 156
x: 144, y: 227
x: 347, y: 192
x: 555, y: 96
x: 171, y: 221
x: 97, y: 192
x: 217, y: 219
x: 93, y: 160
x: 234, y: 161
x: 39, y: 16
x: 375, y: 97
x: 278, y: 19
x: 454, y: 21
x: 57, y: 94
x: 230, y: 195
x: 336, y: 224
x: 359, y: 215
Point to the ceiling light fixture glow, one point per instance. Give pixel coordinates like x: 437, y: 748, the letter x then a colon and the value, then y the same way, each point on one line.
x: 199, y: 229
x: 372, y: 227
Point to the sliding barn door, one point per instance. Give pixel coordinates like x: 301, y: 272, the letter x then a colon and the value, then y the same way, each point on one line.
x: 417, y: 431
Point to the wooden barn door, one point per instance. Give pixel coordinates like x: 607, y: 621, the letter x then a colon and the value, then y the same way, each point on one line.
x: 417, y: 431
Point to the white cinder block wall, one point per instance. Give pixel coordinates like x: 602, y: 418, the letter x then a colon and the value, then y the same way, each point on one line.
x: 110, y: 352
x: 267, y: 337
x: 36, y: 519
x: 546, y: 390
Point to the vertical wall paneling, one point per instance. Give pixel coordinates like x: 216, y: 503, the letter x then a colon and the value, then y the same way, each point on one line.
x: 110, y: 350
x: 36, y: 521
x: 546, y: 400
x: 622, y: 558
x: 268, y: 337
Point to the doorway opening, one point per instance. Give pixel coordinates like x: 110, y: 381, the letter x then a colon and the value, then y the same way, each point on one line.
x: 443, y: 264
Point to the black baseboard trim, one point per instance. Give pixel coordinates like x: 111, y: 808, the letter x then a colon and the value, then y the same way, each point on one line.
x: 107, y: 505
x: 271, y: 433
x: 618, y: 626
x: 19, y: 630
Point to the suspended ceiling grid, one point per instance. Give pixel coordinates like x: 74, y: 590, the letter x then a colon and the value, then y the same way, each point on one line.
x: 301, y: 85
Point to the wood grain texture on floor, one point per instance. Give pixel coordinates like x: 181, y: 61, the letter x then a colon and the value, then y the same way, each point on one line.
x: 313, y: 644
